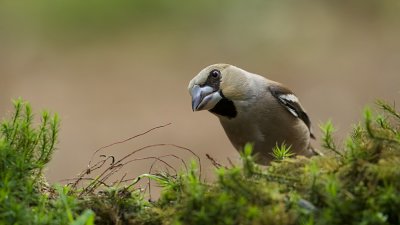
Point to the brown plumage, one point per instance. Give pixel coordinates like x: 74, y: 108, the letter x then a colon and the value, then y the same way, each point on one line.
x: 252, y: 109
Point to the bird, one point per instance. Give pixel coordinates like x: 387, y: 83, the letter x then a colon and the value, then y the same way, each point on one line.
x: 253, y: 109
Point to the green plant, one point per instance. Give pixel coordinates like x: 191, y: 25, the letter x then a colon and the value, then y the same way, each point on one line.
x: 357, y: 184
x: 281, y: 152
x: 25, y: 197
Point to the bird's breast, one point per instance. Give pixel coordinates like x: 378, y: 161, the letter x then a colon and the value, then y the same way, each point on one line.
x: 241, y: 131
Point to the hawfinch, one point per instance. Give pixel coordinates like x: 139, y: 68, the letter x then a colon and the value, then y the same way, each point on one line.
x: 252, y: 109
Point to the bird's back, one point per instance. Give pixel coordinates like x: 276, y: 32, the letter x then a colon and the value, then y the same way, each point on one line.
x: 264, y: 122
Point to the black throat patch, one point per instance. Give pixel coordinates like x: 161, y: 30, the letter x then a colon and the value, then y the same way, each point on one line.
x: 225, y: 107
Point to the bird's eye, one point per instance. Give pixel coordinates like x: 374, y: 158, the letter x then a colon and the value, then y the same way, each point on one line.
x: 215, y: 73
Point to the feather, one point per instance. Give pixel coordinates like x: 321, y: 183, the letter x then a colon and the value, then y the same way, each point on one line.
x: 291, y: 103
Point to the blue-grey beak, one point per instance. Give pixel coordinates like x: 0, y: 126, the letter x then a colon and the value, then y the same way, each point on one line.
x: 196, y: 96
x: 204, y: 98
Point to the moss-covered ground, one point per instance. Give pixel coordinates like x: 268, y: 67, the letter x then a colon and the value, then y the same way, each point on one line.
x: 356, y: 182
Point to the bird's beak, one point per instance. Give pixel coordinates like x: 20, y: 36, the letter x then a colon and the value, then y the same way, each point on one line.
x: 204, y: 98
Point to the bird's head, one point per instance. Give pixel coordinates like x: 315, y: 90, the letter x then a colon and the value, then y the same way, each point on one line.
x: 216, y: 83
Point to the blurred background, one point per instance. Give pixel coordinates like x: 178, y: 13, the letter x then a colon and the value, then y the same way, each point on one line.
x: 113, y: 69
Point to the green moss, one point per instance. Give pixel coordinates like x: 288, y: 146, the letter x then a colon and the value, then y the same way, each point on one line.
x: 358, y: 183
x: 25, y: 197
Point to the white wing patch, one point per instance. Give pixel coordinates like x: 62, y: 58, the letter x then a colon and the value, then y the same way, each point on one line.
x: 293, y: 112
x: 286, y: 99
x: 289, y: 97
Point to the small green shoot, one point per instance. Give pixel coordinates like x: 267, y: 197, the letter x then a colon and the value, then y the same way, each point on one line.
x: 327, y: 139
x: 281, y: 152
x: 249, y: 166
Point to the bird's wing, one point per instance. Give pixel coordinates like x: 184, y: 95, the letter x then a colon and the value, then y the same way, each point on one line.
x: 291, y: 103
